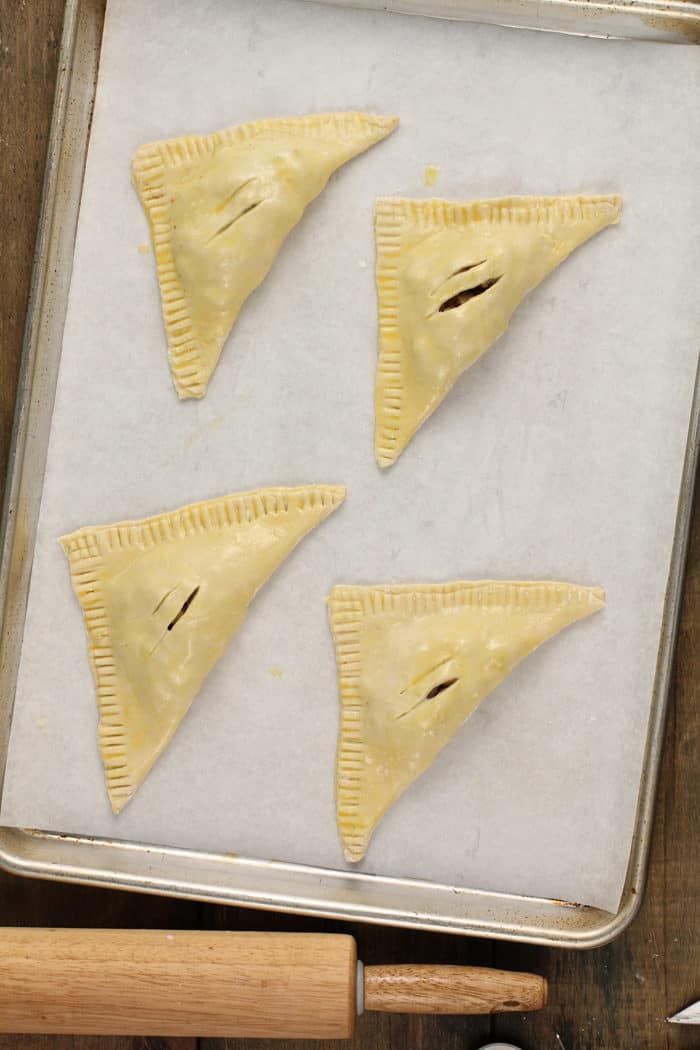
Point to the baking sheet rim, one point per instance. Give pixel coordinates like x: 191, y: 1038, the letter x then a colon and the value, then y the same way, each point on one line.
x: 35, y: 853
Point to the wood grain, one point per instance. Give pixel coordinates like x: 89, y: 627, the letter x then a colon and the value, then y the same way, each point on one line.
x: 615, y: 998
x: 411, y: 988
x: 29, y: 38
x: 179, y: 982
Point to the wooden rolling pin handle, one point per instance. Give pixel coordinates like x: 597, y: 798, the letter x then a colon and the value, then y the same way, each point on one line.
x: 218, y: 983
x: 412, y: 989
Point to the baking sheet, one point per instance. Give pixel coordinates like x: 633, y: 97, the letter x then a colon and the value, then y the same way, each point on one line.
x: 558, y: 455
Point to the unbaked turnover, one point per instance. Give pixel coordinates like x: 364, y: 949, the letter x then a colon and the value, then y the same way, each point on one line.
x: 414, y: 662
x: 220, y: 207
x: 450, y: 276
x: 161, y: 598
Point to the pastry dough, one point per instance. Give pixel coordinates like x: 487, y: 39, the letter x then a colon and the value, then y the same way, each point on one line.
x: 220, y: 206
x: 161, y: 598
x: 413, y: 663
x: 449, y: 278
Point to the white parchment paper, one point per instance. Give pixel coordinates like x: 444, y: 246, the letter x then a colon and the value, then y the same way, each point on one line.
x: 557, y: 456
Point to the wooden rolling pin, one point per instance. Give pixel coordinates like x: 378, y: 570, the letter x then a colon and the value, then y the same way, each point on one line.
x: 260, y: 985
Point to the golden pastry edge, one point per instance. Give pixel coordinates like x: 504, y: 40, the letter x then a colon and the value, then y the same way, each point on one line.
x: 347, y: 606
x: 85, y: 561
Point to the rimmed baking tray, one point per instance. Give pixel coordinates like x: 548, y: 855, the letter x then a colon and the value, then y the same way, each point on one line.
x: 224, y: 878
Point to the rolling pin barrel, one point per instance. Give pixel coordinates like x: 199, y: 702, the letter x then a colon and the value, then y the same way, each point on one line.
x: 217, y: 983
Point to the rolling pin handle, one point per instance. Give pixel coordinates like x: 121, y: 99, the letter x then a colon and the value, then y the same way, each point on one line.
x: 417, y: 989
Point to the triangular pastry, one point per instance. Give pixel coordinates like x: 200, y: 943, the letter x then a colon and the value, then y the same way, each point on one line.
x: 449, y: 278
x: 219, y: 208
x: 161, y: 598
x: 413, y: 663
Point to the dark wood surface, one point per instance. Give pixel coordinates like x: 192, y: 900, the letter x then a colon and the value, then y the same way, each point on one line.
x: 615, y: 998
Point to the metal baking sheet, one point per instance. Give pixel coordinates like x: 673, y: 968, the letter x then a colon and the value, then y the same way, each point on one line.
x: 373, y: 898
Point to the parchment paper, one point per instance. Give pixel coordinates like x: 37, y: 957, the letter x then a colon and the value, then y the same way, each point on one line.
x: 557, y: 456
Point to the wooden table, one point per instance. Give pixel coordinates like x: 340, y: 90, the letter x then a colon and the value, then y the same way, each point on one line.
x: 615, y: 998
